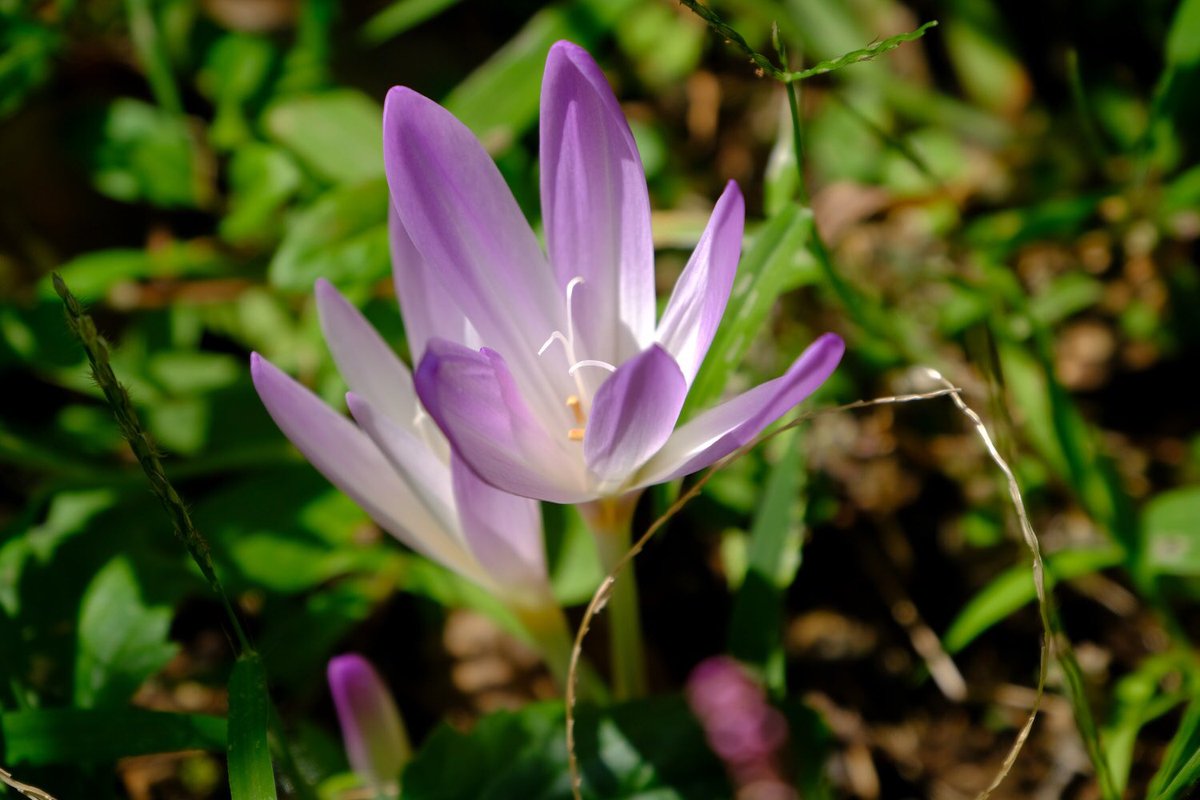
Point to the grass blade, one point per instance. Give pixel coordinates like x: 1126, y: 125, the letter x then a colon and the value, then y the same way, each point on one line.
x: 251, y: 776
x: 756, y: 629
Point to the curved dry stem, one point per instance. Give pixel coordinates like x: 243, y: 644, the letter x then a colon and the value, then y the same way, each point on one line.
x: 602, y: 593
x: 1039, y: 577
x: 24, y: 789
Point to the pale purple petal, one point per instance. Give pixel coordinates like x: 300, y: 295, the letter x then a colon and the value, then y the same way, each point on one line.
x: 504, y: 531
x: 595, y: 203
x: 426, y: 474
x: 350, y: 461
x: 369, y: 367
x: 719, y: 431
x: 463, y: 220
x: 427, y: 308
x: 633, y: 414
x: 376, y: 743
x: 475, y: 401
x: 695, y: 308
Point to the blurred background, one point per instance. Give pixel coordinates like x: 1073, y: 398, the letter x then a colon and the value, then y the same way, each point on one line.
x: 1013, y: 200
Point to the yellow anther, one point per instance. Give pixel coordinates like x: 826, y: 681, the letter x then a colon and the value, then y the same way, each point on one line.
x: 576, y: 406
x: 575, y: 434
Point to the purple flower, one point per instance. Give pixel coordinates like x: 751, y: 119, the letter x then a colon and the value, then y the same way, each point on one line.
x: 397, y: 465
x: 576, y: 392
x: 372, y: 732
x: 745, y: 731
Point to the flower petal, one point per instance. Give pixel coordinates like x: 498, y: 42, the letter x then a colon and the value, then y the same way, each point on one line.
x: 367, y: 364
x: 463, y: 220
x: 427, y: 308
x: 504, y: 532
x: 426, y: 474
x: 633, y: 414
x: 719, y: 431
x: 350, y: 461
x: 377, y: 745
x: 595, y: 203
x: 695, y: 308
x: 475, y: 401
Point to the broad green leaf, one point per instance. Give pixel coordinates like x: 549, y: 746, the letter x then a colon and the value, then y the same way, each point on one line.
x: 337, y: 134
x: 93, y: 274
x: 145, y: 154
x: 251, y: 776
x: 262, y: 179
x: 773, y: 556
x: 122, y: 639
x: 775, y: 262
x: 651, y: 749
x: 68, y: 515
x: 342, y: 237
x: 62, y: 736
x: 1171, y: 532
x: 1013, y: 589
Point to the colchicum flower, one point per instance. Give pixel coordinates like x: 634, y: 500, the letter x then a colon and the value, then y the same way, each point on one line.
x: 398, y: 467
x: 376, y: 743
x: 575, y: 393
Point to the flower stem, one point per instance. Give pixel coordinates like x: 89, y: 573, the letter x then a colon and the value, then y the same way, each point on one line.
x: 611, y: 521
x: 547, y: 626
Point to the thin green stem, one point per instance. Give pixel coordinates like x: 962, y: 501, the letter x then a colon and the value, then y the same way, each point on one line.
x: 611, y: 523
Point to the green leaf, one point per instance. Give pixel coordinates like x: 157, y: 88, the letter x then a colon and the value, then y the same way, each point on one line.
x: 650, y: 749
x: 122, y: 639
x: 571, y: 555
x: 251, y: 776
x: 262, y: 179
x: 92, y: 275
x: 235, y: 72
x: 143, y: 153
x: 27, y: 52
x: 400, y: 16
x: 337, y: 134
x: 1013, y: 589
x: 1005, y: 231
x: 70, y: 736
x: 1138, y: 698
x: 499, y: 100
x: 1181, y: 765
x: 1171, y: 532
x: 776, y: 261
x: 756, y: 628
x: 342, y: 237
x: 1065, y: 296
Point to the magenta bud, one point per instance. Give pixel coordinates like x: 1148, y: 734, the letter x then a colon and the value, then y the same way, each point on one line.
x: 372, y: 731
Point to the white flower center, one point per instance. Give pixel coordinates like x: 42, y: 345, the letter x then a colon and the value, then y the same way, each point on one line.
x: 576, y: 402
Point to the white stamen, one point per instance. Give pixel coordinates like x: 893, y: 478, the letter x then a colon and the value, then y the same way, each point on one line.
x: 554, y: 337
x: 590, y: 362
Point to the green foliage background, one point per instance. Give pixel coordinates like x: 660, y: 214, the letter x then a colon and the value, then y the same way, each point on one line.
x: 987, y: 196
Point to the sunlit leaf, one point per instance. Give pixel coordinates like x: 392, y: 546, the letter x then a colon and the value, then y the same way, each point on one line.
x: 122, y: 639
